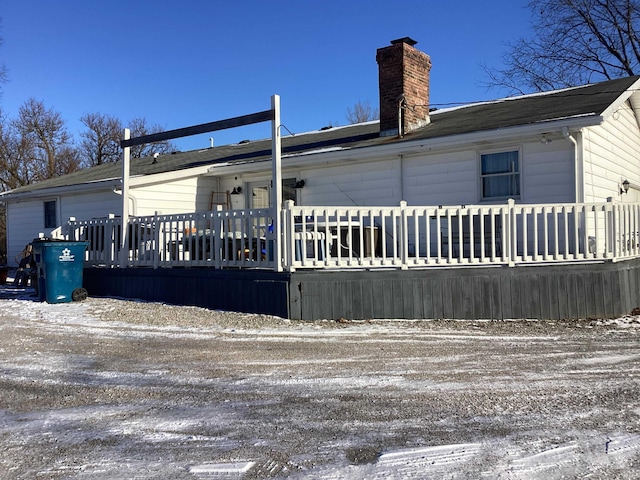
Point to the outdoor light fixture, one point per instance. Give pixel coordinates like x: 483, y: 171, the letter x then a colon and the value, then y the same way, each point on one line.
x: 300, y: 184
x: 236, y: 191
x: 546, y: 140
x: 625, y: 187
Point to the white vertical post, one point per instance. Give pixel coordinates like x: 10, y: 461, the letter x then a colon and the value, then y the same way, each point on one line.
x: 155, y: 225
x: 511, y: 232
x: 126, y: 159
x: 276, y: 187
x: 404, y: 237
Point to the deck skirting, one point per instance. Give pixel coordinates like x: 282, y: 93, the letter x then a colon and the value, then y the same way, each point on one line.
x: 554, y: 292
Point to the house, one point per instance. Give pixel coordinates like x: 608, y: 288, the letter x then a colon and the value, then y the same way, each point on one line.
x: 577, y: 146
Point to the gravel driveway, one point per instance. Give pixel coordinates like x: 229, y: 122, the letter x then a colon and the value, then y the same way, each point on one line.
x: 110, y: 388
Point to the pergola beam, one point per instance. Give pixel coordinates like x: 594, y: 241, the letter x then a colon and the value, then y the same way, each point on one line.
x: 264, y: 116
x: 272, y: 116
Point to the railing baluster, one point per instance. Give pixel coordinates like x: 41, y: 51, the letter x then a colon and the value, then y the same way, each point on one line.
x: 357, y: 237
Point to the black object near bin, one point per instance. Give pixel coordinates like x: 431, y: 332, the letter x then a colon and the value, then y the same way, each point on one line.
x: 60, y: 264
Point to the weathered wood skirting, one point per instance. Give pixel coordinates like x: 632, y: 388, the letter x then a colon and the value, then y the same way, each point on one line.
x: 602, y: 290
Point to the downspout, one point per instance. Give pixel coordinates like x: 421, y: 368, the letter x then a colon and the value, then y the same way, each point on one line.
x: 402, y: 103
x: 132, y: 198
x: 401, y: 177
x: 578, y: 173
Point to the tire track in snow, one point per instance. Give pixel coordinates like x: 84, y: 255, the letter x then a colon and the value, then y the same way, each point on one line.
x: 427, y: 459
x: 554, y: 458
x: 622, y: 444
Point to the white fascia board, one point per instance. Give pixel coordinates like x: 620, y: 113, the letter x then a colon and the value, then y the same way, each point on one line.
x: 503, y: 135
x: 108, y: 184
x: 80, y: 188
x: 414, y: 147
x: 626, y: 95
x: 143, y: 180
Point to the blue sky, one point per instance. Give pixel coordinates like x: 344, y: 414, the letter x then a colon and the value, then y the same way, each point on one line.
x: 184, y: 63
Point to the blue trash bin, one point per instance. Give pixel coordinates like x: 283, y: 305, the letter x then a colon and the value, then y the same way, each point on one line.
x: 59, y: 265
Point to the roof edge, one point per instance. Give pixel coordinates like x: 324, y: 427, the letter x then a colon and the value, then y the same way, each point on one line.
x: 53, y: 191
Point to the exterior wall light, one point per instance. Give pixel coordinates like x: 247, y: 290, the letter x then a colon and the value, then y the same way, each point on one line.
x: 236, y: 191
x: 625, y: 187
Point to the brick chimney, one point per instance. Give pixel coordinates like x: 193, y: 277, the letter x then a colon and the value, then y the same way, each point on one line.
x: 403, y: 77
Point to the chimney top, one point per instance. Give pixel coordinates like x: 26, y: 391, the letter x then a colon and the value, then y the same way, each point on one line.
x: 403, y: 76
x: 407, y: 40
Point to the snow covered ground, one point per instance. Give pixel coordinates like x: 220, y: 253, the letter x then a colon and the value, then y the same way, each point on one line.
x: 110, y: 388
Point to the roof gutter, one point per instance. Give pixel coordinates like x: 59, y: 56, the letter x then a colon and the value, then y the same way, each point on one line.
x: 108, y: 184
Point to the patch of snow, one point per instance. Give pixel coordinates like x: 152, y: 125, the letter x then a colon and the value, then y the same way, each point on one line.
x: 222, y: 468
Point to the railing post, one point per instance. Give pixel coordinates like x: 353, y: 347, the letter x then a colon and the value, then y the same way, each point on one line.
x: 613, y: 229
x: 113, y: 239
x: 156, y: 240
x: 285, y: 238
x: 219, y: 239
x: 512, y: 238
x: 404, y: 237
x: 70, y: 229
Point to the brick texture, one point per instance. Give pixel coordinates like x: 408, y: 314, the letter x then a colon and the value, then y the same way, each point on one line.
x: 403, y: 71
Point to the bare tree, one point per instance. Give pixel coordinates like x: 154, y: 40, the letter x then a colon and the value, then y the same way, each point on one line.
x: 362, y: 112
x: 139, y: 127
x: 574, y: 42
x: 15, y: 152
x: 43, y: 133
x: 35, y: 146
x: 101, y: 141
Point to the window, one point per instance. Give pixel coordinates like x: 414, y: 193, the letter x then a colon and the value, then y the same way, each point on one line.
x: 261, y: 193
x: 50, y: 217
x: 500, y: 175
x: 289, y: 189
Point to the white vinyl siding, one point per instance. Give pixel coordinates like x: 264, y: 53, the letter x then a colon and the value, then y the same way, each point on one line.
x: 452, y: 178
x: 24, y: 222
x: 87, y: 206
x: 179, y: 196
x: 441, y: 179
x: 376, y: 183
x: 25, y: 219
x: 611, y: 155
x: 548, y: 172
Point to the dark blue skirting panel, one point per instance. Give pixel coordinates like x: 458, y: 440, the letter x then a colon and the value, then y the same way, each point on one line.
x: 251, y: 291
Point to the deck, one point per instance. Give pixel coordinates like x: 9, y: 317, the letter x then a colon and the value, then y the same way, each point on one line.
x: 460, y: 262
x: 551, y: 292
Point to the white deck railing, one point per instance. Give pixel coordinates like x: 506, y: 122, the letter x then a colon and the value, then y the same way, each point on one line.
x: 370, y: 237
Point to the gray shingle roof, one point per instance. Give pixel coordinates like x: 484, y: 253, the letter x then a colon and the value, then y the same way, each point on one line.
x: 575, y: 102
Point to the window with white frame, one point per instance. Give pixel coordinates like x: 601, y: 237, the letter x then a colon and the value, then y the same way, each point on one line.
x: 500, y: 175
